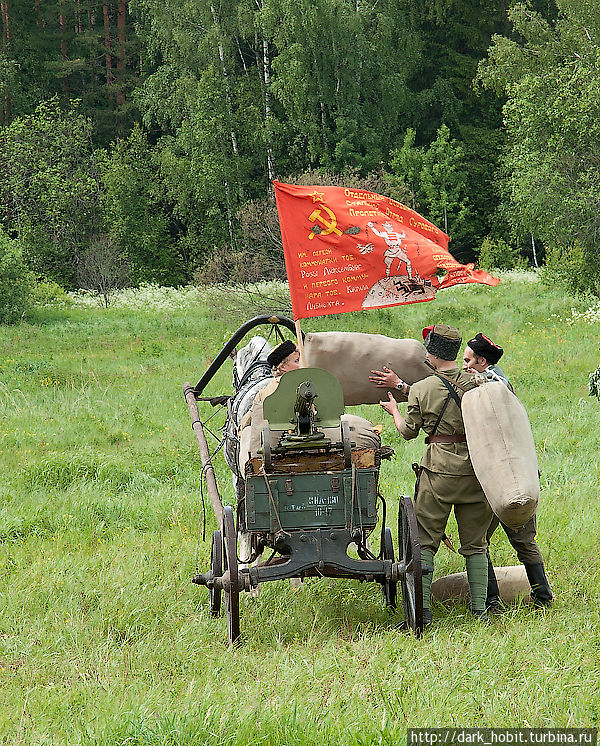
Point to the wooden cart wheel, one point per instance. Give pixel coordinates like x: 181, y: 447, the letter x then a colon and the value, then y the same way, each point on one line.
x: 232, y: 597
x: 410, y: 555
x: 389, y: 587
x: 216, y: 567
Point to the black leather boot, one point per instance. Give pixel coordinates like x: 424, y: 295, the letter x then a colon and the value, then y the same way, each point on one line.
x: 492, y: 600
x: 541, y: 595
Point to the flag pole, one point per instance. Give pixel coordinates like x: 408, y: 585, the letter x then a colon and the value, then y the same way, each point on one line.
x: 300, y: 343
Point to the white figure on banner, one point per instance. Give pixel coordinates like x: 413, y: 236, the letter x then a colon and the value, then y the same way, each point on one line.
x: 394, y: 249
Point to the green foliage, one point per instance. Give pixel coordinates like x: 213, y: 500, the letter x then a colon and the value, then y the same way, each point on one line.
x: 297, y: 85
x: 495, y: 253
x: 8, y: 77
x: 343, y: 94
x: 93, y: 219
x: 437, y: 177
x: 60, y: 49
x: 573, y: 267
x: 232, y: 94
x: 16, y: 281
x: 551, y: 181
x: 206, y: 100
x: 235, y: 92
x: 134, y: 214
x: 49, y: 187
x: 49, y: 293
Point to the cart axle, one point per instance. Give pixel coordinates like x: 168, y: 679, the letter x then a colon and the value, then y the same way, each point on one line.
x: 392, y: 572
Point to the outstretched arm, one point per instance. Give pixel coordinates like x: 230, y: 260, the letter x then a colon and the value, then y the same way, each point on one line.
x: 388, y: 379
x: 375, y: 231
x: 391, y: 407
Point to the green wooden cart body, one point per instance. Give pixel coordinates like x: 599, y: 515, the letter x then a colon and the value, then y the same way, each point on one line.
x: 312, y: 500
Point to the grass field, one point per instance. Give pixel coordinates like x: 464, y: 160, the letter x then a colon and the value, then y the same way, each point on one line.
x: 103, y: 639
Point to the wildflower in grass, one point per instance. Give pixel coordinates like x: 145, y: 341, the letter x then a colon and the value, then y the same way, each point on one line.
x: 49, y: 381
x: 594, y: 383
x: 590, y: 316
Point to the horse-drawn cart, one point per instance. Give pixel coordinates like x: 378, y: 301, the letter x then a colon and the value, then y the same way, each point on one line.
x: 307, y: 495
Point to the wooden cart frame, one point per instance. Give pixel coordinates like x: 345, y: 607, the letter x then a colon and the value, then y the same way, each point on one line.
x: 307, y: 507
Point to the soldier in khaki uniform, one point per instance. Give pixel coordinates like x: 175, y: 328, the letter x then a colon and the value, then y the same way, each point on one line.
x: 481, y: 355
x: 446, y: 477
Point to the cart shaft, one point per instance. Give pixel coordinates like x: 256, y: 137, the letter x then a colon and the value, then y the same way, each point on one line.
x: 211, y: 483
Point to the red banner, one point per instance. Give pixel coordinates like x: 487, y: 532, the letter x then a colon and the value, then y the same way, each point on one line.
x: 350, y: 249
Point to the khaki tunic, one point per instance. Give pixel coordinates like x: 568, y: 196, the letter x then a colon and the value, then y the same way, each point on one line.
x: 447, y: 477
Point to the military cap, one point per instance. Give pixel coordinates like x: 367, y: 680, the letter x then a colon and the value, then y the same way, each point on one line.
x: 279, y: 353
x: 484, y: 347
x: 442, y: 341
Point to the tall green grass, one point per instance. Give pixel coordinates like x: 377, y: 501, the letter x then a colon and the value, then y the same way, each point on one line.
x: 103, y: 639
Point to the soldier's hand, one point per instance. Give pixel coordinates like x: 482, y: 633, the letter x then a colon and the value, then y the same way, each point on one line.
x: 391, y: 405
x: 385, y: 377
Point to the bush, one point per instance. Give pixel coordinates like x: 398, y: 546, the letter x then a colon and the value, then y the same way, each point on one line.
x: 495, y: 253
x: 49, y: 187
x: 16, y: 281
x: 574, y: 268
x: 233, y: 267
x: 49, y: 293
x: 103, y: 268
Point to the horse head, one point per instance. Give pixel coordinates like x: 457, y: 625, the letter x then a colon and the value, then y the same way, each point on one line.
x: 251, y: 362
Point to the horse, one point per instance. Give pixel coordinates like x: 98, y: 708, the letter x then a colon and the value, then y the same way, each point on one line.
x: 251, y: 373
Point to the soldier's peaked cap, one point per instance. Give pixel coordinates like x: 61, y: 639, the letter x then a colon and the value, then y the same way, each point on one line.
x: 484, y: 347
x: 442, y: 341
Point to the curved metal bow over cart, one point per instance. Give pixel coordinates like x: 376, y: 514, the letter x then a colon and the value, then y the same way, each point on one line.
x: 307, y: 495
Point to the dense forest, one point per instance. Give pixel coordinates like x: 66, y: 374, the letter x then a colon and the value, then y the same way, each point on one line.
x: 139, y: 139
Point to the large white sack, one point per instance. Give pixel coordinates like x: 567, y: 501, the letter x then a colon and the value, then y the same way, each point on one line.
x: 351, y: 356
x: 502, y: 451
x: 362, y: 434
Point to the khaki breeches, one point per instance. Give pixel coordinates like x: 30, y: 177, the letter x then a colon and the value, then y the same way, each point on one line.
x: 438, y: 493
x: 522, y: 540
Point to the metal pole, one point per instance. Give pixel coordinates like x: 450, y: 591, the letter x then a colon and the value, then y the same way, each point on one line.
x: 300, y: 344
x: 211, y: 483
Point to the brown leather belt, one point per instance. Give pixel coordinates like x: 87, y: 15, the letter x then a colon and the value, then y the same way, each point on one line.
x: 458, y: 438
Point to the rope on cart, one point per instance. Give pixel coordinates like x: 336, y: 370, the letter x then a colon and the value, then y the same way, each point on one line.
x: 383, y: 522
x: 273, y: 505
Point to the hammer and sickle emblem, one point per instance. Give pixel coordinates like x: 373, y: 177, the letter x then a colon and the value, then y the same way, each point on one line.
x: 330, y: 226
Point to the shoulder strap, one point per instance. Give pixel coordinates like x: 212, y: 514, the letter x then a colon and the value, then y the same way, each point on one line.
x: 440, y: 415
x: 456, y: 384
x: 451, y: 389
